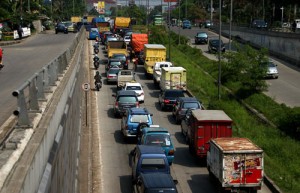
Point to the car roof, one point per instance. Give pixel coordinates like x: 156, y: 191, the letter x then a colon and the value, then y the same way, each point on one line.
x: 138, y: 111
x: 126, y: 92
x: 150, y: 149
x: 211, y: 115
x: 157, y: 180
x: 155, y: 130
x: 188, y: 99
x: 133, y: 84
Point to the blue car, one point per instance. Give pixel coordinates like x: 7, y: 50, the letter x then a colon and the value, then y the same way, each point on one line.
x: 155, y: 135
x: 134, y: 119
x: 93, y: 34
x: 186, y: 24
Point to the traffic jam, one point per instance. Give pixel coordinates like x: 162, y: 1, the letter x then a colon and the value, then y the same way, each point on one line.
x: 154, y: 114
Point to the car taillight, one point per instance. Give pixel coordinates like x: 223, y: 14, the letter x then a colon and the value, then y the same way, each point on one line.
x: 116, y: 104
x: 171, y: 152
x: 109, y: 76
x: 166, y: 101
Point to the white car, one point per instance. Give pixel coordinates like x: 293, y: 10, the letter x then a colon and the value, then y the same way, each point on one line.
x: 137, y: 87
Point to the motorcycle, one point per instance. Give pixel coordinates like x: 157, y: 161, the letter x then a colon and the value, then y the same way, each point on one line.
x: 96, y: 48
x: 98, y: 85
x: 96, y: 62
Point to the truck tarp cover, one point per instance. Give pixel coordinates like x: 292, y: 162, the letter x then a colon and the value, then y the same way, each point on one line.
x: 138, y: 41
x: 122, y: 22
x: 102, y: 24
x: 98, y: 20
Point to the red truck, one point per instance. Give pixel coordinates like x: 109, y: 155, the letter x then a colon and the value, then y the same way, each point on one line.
x: 236, y: 164
x: 137, y: 42
x: 200, y: 126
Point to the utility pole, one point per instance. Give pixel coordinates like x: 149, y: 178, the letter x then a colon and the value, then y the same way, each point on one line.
x: 219, y: 54
x: 230, y: 24
x: 178, y: 24
x: 185, y: 9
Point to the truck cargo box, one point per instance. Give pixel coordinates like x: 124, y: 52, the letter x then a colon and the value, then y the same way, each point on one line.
x: 237, y: 163
x: 116, y: 47
x: 138, y: 41
x: 122, y: 22
x: 205, y: 125
x: 153, y: 53
x: 173, y: 78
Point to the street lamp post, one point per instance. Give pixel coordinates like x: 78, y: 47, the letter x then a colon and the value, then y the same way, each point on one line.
x: 282, y: 8
x: 169, y: 25
x: 179, y: 24
x: 230, y: 24
x: 219, y: 53
x: 185, y: 9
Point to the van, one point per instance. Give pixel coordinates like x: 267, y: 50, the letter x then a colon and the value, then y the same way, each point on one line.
x: 148, y: 159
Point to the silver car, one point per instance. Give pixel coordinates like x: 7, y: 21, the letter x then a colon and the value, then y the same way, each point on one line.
x: 272, y: 71
x: 112, y: 75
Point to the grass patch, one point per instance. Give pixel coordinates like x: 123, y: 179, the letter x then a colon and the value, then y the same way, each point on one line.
x: 281, y: 151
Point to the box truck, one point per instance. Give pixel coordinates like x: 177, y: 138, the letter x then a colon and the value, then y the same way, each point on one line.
x: 153, y: 53
x: 203, y: 125
x: 173, y: 78
x: 236, y: 164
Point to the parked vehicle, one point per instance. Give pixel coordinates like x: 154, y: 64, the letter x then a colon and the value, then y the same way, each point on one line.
x: 136, y: 87
x: 182, y: 104
x: 153, y: 53
x: 133, y: 118
x: 157, y: 70
x: 202, y: 125
x: 124, y: 99
x: 125, y: 76
x: 61, y: 27
x: 112, y: 75
x: 213, y: 46
x: 186, y: 24
x: 155, y: 183
x: 158, y: 136
x: 173, y: 78
x: 201, y: 38
x: 167, y: 98
x: 148, y: 159
x: 116, y: 47
x: 236, y: 164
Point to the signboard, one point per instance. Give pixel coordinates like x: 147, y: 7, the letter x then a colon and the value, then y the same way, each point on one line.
x: 86, y: 86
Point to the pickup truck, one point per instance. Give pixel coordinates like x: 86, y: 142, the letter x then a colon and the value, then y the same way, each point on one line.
x: 157, y: 70
x: 125, y: 76
x: 116, y: 47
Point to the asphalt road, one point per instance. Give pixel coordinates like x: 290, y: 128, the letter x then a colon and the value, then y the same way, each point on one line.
x: 23, y: 60
x: 285, y: 89
x: 114, y: 150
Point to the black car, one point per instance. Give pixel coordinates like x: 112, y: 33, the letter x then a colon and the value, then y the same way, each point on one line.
x: 201, y: 38
x: 182, y: 104
x: 115, y: 63
x: 155, y: 183
x: 259, y: 24
x: 125, y: 99
x: 123, y: 58
x: 167, y: 98
x: 213, y: 45
x: 61, y: 27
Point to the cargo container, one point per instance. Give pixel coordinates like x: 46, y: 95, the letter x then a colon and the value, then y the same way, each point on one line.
x: 121, y: 23
x: 138, y: 41
x: 204, y: 125
x: 153, y: 53
x: 116, y: 47
x: 173, y: 78
x: 236, y: 163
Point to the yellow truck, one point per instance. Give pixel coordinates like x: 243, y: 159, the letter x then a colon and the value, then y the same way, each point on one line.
x: 153, y: 53
x: 121, y: 23
x: 116, y: 47
x: 173, y: 78
x: 76, y: 19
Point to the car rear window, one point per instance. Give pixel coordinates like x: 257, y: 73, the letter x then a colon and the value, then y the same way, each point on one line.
x: 174, y: 94
x: 153, y: 163
x: 133, y: 88
x: 191, y: 105
x: 115, y: 63
x: 202, y: 35
x: 158, y: 139
x: 113, y: 71
x: 127, y: 99
x: 139, y: 119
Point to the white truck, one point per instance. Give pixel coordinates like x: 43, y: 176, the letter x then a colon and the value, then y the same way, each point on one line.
x: 236, y: 164
x: 157, y: 70
x: 125, y: 76
x: 173, y: 78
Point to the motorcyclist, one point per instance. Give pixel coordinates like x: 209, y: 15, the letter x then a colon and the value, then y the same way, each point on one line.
x: 97, y: 78
x: 1, y: 55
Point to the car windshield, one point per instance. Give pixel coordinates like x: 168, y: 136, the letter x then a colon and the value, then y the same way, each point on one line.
x: 271, y: 65
x: 113, y: 71
x: 186, y: 22
x: 174, y: 94
x: 133, y: 88
x: 158, y: 139
x: 68, y: 24
x: 191, y: 105
x: 216, y: 42
x: 153, y: 163
x: 127, y: 99
x: 116, y: 63
x: 139, y: 119
x: 202, y: 35
x: 121, y: 57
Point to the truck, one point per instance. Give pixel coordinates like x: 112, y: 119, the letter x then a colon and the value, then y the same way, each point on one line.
x: 116, y: 47
x: 202, y: 126
x: 121, y: 23
x: 125, y: 76
x: 157, y: 70
x: 153, y: 53
x: 76, y: 19
x: 173, y: 78
x: 236, y: 164
x: 137, y: 43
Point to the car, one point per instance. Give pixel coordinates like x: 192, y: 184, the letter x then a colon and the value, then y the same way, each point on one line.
x: 182, y: 104
x: 134, y: 119
x: 148, y: 159
x: 186, y: 24
x: 201, y: 37
x: 137, y: 87
x: 93, y: 34
x: 127, y: 39
x: 185, y: 125
x: 61, y: 27
x: 104, y: 35
x: 140, y: 58
x: 112, y: 75
x: 213, y: 46
x: 110, y: 38
x: 72, y: 27
x: 272, y: 71
x: 124, y: 99
x: 122, y: 57
x: 167, y: 98
x: 155, y: 183
x: 259, y: 24
x: 158, y: 136
x: 116, y: 63
x: 208, y: 24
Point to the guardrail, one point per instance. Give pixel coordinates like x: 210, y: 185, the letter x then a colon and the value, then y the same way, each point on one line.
x: 34, y: 89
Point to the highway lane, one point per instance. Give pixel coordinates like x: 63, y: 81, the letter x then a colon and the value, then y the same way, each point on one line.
x: 114, y: 151
x: 285, y: 89
x: 23, y: 60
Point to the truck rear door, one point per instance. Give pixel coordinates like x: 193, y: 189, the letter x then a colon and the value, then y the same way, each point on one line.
x: 175, y: 80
